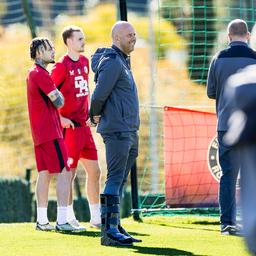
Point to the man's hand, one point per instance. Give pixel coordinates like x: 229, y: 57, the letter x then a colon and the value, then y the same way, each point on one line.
x: 90, y: 123
x: 96, y: 119
x: 94, y: 122
x: 66, y: 123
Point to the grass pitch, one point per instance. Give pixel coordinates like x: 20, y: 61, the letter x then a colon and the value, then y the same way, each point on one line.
x: 177, y: 236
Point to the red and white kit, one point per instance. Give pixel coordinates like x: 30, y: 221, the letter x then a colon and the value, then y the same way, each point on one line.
x: 50, y: 150
x: 71, y: 78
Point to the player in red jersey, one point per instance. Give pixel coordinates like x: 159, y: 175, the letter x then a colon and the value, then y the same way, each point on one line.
x: 50, y: 151
x: 70, y: 75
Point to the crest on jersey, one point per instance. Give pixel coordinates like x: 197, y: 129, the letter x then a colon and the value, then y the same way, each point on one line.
x: 70, y: 161
x: 71, y: 72
x: 85, y: 70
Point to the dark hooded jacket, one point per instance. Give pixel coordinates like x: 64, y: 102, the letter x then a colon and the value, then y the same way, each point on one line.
x: 224, y: 64
x: 115, y: 96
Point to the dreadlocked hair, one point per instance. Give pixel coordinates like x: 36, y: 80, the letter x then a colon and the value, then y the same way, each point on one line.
x: 36, y: 43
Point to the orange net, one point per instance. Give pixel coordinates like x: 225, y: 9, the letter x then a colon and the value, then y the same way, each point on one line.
x: 192, y: 170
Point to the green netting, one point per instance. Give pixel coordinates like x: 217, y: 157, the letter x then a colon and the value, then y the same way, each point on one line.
x: 189, y: 33
x: 207, y: 212
x: 203, y: 25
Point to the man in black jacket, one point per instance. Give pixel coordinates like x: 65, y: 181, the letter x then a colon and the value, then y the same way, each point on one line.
x: 224, y: 64
x: 115, y: 109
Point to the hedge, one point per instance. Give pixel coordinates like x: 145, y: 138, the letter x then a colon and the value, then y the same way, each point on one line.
x: 15, y: 200
x: 17, y: 203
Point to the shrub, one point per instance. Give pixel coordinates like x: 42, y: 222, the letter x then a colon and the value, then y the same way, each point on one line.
x: 15, y: 200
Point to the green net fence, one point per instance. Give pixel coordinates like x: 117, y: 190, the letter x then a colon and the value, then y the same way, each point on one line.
x: 188, y: 34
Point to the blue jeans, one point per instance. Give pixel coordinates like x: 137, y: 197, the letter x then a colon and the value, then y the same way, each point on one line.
x: 228, y: 159
x: 121, y: 153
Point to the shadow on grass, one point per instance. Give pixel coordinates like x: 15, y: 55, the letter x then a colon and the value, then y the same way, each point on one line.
x: 181, y: 225
x: 138, y: 234
x: 198, y: 222
x: 95, y: 233
x: 193, y: 228
x: 83, y: 233
x: 162, y: 251
x: 206, y: 222
x: 139, y: 249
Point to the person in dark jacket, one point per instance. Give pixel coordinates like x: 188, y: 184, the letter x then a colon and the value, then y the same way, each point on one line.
x: 224, y: 64
x: 115, y: 110
x: 241, y: 91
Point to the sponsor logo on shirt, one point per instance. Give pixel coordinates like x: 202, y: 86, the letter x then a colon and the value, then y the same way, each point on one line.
x: 82, y: 84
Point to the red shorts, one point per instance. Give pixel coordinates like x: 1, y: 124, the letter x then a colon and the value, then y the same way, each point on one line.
x: 80, y: 144
x: 51, y: 156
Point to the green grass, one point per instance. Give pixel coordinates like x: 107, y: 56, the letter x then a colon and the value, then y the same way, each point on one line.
x: 177, y: 236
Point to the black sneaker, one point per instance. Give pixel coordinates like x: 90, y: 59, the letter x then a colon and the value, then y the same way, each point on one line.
x: 112, y: 237
x: 230, y: 230
x: 124, y: 232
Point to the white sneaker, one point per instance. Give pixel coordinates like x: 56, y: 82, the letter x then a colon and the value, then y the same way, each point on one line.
x: 66, y: 227
x: 78, y: 227
x: 231, y: 230
x: 95, y: 225
x: 44, y: 227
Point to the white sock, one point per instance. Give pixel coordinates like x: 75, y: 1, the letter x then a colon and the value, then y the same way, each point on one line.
x: 95, y: 213
x: 62, y: 214
x: 71, y: 214
x: 42, y: 215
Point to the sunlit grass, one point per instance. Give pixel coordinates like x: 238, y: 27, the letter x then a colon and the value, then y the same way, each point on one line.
x: 160, y: 235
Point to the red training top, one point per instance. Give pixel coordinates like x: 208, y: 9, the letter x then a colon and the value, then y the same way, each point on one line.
x: 71, y: 78
x: 44, y: 117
